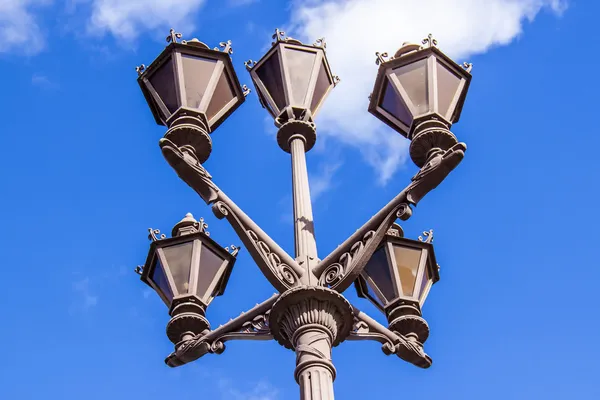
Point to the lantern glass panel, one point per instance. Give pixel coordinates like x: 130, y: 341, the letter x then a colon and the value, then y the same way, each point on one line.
x: 179, y: 259
x: 447, y: 85
x: 322, y: 85
x: 160, y: 280
x: 300, y: 66
x: 413, y: 78
x: 221, y: 97
x: 407, y: 262
x: 269, y: 74
x: 378, y: 269
x: 163, y: 81
x: 196, y: 74
x: 424, y: 282
x: 210, y: 264
x: 394, y: 105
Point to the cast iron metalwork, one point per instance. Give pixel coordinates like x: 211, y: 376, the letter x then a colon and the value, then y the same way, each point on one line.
x: 309, y: 314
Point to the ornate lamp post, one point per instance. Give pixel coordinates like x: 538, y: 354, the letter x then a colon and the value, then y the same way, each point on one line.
x: 309, y: 314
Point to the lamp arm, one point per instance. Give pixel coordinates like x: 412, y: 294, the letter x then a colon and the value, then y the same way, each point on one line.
x: 366, y: 328
x: 282, y: 271
x: 251, y: 325
x: 343, y: 265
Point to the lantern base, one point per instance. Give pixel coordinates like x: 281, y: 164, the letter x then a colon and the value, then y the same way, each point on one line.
x: 187, y: 321
x: 405, y: 318
x: 427, y: 137
x: 188, y: 130
x: 294, y: 128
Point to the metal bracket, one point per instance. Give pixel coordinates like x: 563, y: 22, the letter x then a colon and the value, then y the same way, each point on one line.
x: 366, y: 328
x: 345, y: 263
x: 251, y: 325
x: 278, y: 267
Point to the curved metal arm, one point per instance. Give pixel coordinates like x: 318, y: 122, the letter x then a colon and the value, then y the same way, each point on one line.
x: 278, y: 267
x: 366, y: 328
x: 251, y: 325
x: 345, y: 263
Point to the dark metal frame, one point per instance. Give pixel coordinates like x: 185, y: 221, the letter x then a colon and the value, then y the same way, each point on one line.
x: 280, y: 49
x: 386, y: 71
x: 173, y: 53
x: 427, y: 260
x: 200, y: 239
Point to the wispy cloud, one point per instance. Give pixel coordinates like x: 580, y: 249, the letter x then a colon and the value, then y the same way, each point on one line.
x: 19, y: 26
x: 356, y: 29
x: 126, y: 19
x: 84, y: 297
x: 43, y: 81
x: 259, y: 391
x: 322, y: 181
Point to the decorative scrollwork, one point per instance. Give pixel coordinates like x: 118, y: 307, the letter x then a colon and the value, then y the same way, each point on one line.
x: 279, y: 36
x: 226, y: 47
x: 173, y: 36
x: 249, y: 64
x: 404, y: 212
x: 258, y: 325
x: 139, y: 270
x: 332, y: 274
x: 202, y: 226
x: 233, y: 250
x: 336, y: 80
x: 283, y: 270
x: 320, y: 42
x: 467, y: 66
x: 246, y: 90
x: 428, y: 236
x: 140, y: 69
x: 429, y: 41
x: 381, y: 58
x: 154, y: 235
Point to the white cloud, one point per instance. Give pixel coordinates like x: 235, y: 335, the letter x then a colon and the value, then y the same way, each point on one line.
x: 126, y: 19
x: 356, y: 29
x: 260, y: 391
x: 19, y: 28
x: 322, y: 181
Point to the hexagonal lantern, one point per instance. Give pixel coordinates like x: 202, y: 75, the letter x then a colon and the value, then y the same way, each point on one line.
x: 420, y: 89
x: 292, y: 79
x: 397, y: 280
x: 191, y: 89
x: 187, y: 271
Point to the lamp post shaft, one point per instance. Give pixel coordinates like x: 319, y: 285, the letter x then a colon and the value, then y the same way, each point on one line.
x: 304, y: 233
x: 314, y: 370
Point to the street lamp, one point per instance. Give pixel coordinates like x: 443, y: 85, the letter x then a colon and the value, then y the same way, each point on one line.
x: 309, y: 314
x: 420, y: 93
x: 192, y: 90
x: 187, y: 271
x: 397, y: 280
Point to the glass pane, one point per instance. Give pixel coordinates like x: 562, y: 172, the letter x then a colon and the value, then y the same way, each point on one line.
x: 209, y: 268
x: 299, y: 65
x: 447, y: 85
x: 424, y: 281
x: 378, y: 270
x: 393, y: 105
x: 270, y: 75
x: 179, y: 259
x: 407, y: 261
x: 222, y: 95
x: 413, y: 78
x: 323, y: 83
x: 160, y: 280
x: 196, y: 74
x: 163, y: 81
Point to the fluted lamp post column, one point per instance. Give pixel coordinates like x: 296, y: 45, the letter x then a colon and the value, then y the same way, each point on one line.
x: 192, y: 89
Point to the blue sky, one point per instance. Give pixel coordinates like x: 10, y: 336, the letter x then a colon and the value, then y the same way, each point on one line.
x: 515, y: 315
